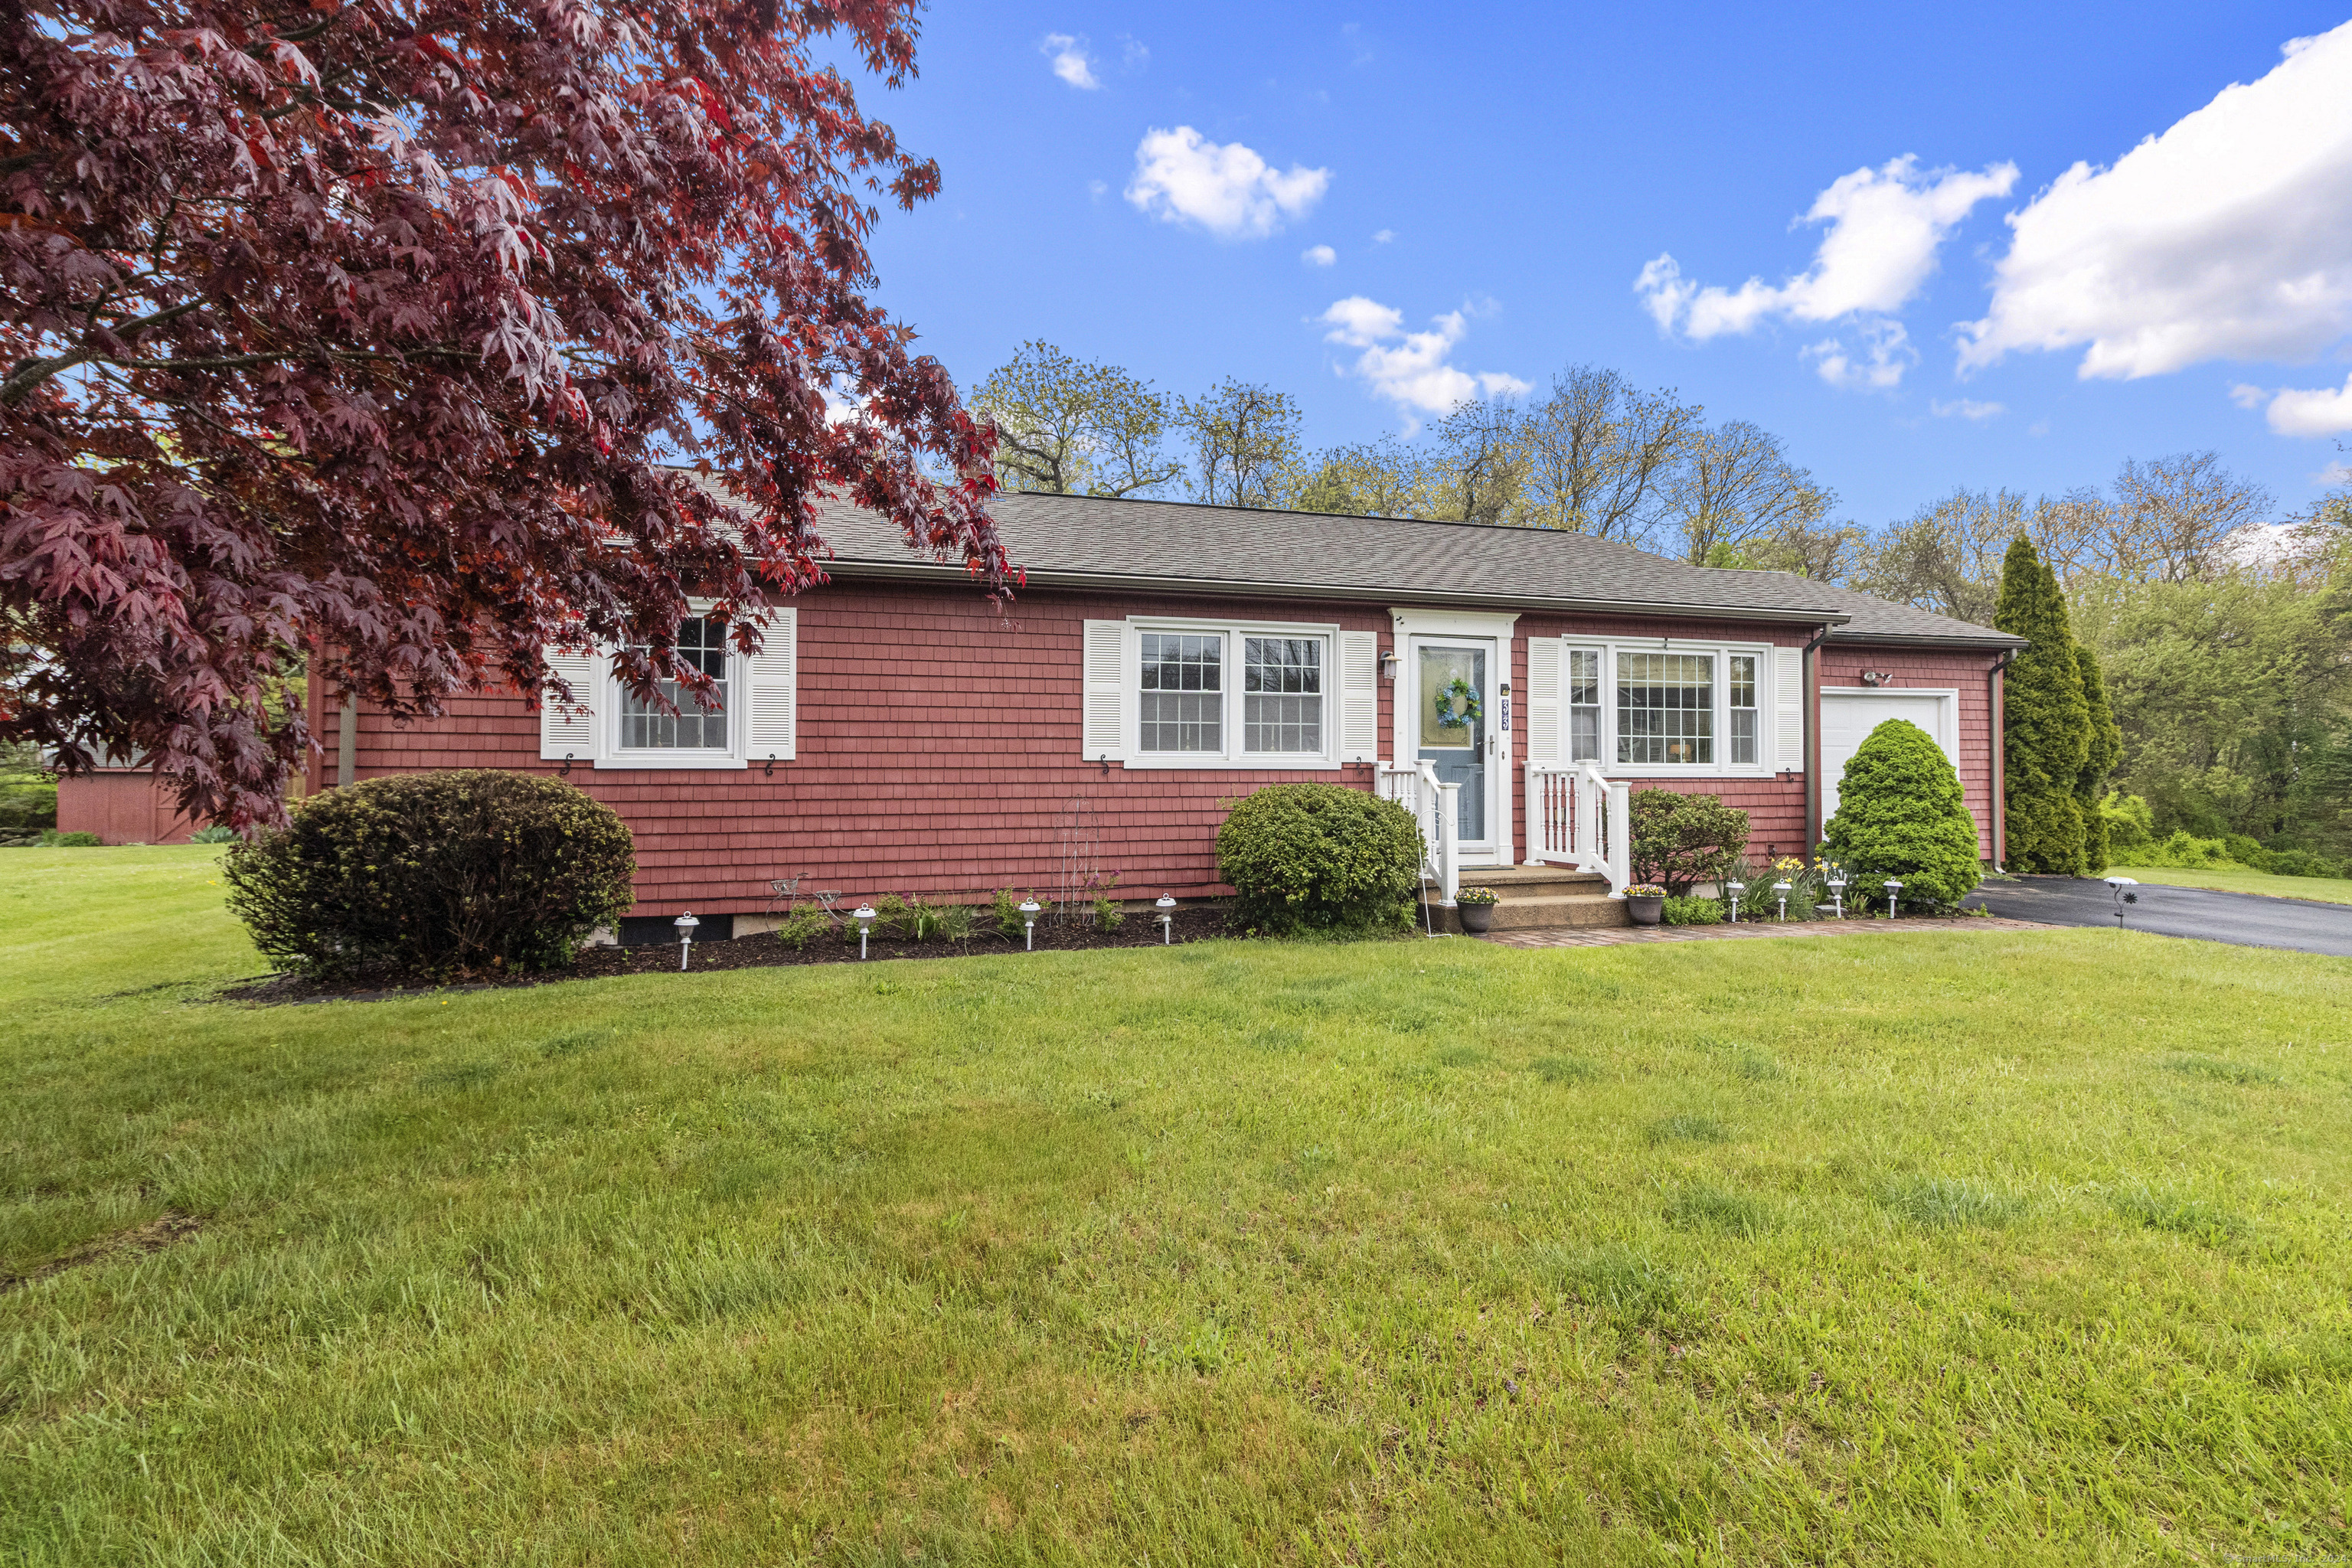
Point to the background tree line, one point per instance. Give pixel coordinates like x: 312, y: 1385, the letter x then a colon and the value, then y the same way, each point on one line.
x: 2219, y: 627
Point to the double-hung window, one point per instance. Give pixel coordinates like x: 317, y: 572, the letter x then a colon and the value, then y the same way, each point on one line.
x: 1192, y: 693
x: 694, y: 722
x: 1740, y: 707
x: 1584, y: 705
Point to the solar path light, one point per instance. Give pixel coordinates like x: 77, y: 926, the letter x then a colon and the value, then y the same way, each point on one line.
x: 685, y: 924
x: 1837, y: 894
x: 1894, y: 892
x: 865, y: 915
x: 1735, y: 889
x: 1782, y: 889
x: 2116, y: 885
x: 1167, y: 908
x: 1029, y: 907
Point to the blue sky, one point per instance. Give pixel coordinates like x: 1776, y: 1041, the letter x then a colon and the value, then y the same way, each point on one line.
x: 1142, y: 185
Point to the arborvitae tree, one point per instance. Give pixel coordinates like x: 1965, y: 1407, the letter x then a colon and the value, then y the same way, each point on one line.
x: 2104, y: 745
x: 2045, y: 737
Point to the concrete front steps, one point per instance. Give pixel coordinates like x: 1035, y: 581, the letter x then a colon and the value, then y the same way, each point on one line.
x: 1538, y: 898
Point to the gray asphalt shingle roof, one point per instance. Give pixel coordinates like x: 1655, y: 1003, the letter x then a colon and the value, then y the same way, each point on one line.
x: 1093, y: 541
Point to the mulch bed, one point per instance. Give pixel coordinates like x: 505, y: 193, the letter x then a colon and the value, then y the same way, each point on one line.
x: 762, y: 952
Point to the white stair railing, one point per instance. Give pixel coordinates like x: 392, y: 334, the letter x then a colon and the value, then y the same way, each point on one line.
x: 1434, y: 808
x: 1577, y: 816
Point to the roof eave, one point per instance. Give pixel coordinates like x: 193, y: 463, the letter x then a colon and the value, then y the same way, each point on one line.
x: 1357, y: 593
x: 1994, y: 641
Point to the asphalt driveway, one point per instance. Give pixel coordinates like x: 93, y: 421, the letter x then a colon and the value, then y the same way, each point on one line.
x: 2247, y: 919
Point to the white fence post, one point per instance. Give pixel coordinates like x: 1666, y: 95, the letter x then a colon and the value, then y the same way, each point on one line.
x: 1449, y: 842
x: 1621, y: 839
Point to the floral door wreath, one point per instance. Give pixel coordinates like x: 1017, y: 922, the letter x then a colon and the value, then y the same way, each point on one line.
x: 1457, y: 690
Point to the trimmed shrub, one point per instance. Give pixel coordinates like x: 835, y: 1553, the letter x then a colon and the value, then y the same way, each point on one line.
x: 1900, y: 815
x: 1692, y: 911
x: 1681, y: 840
x: 1311, y: 857
x: 436, y: 874
x: 52, y: 839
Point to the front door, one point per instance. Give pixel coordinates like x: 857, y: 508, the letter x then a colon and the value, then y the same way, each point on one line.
x: 1456, y: 729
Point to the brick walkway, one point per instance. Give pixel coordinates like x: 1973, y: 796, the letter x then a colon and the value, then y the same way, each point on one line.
x: 1617, y: 936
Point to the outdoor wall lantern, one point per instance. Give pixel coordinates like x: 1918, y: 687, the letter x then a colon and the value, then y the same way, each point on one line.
x: 1875, y: 677
x: 2118, y: 884
x: 1894, y: 891
x: 1735, y: 889
x: 1029, y: 907
x: 1388, y: 664
x: 865, y: 915
x: 1837, y: 894
x: 1782, y: 889
x: 1167, y: 908
x: 685, y: 924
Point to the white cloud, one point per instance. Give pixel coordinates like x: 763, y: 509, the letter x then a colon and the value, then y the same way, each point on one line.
x: 1411, y: 369
x: 2295, y: 411
x: 1071, y: 62
x: 1967, y: 408
x: 1885, y: 227
x: 1133, y: 54
x: 1384, y: 236
x: 2334, y: 474
x: 1181, y: 176
x: 2228, y: 237
x: 1097, y: 189
x: 1886, y: 353
x: 1318, y: 255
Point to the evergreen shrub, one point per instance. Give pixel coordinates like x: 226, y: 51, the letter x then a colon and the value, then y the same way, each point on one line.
x: 471, y: 870
x: 1311, y: 857
x: 2046, y: 720
x: 2130, y: 826
x: 1692, y: 911
x: 1681, y: 840
x: 1900, y: 815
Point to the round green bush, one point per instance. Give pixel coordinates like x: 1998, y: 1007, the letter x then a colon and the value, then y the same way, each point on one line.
x: 471, y: 870
x: 1320, y: 857
x: 1900, y: 815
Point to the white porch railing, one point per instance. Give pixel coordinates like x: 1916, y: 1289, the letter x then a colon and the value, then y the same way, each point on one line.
x: 1437, y: 808
x: 1577, y: 817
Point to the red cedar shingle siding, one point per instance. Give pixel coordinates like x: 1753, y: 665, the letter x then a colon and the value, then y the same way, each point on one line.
x: 939, y: 746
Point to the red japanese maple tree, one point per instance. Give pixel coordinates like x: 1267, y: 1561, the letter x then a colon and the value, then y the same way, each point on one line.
x: 366, y: 330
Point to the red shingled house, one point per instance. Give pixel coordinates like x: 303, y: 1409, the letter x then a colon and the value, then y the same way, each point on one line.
x: 899, y: 734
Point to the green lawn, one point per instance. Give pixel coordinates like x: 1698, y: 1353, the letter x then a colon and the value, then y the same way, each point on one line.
x: 2239, y: 880
x: 1962, y: 1246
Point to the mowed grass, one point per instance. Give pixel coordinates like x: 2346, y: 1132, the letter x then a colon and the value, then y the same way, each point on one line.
x: 1941, y: 1247
x: 2240, y: 880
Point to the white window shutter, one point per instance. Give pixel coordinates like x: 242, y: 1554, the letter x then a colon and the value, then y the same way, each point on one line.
x: 567, y: 732
x: 1104, y: 726
x: 1543, y: 701
x: 1789, y: 708
x: 773, y: 717
x: 1360, y: 697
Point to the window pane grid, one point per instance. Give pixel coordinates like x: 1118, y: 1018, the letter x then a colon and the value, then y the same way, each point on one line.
x: 1282, y: 694
x: 1740, y: 677
x: 1584, y: 705
x: 1666, y: 708
x: 1183, y: 702
x: 702, y: 645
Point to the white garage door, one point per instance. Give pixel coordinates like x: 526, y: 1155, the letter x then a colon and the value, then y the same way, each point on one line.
x: 1849, y: 715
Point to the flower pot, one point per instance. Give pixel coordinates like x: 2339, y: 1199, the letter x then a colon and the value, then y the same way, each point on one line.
x: 1476, y: 918
x: 1647, y: 909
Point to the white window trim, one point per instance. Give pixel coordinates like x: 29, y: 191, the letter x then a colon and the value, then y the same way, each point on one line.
x: 1766, y: 706
x: 1232, y: 759
x: 611, y: 754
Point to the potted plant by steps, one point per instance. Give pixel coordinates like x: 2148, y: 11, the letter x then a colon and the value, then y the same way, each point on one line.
x: 1476, y: 908
x: 1646, y: 901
